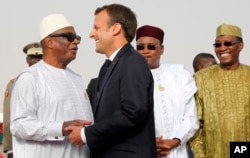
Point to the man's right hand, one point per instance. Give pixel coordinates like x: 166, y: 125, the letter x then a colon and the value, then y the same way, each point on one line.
x: 81, y: 123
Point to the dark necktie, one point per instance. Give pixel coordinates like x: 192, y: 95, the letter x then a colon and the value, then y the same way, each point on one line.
x: 103, y: 72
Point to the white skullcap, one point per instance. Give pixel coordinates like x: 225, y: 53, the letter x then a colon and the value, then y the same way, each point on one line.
x: 51, y: 23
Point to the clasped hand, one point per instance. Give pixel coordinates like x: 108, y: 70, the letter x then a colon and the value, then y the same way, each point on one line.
x: 72, y: 129
x: 164, y: 146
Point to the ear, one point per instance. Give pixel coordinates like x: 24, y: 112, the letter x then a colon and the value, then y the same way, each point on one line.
x: 48, y: 42
x: 161, y: 49
x: 241, y: 46
x: 27, y: 59
x: 116, y: 28
x: 200, y: 66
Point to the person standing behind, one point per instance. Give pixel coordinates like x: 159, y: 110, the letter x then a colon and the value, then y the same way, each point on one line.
x: 174, y: 88
x: 48, y: 96
x: 124, y: 118
x: 34, y: 54
x: 203, y: 60
x: 92, y: 92
x: 223, y: 98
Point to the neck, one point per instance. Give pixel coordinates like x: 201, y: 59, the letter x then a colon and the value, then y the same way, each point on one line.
x: 230, y: 67
x: 55, y: 63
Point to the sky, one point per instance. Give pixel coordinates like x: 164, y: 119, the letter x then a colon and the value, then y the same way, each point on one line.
x: 189, y: 26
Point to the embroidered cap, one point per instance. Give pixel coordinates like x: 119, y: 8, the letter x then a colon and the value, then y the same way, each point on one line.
x: 226, y: 29
x: 150, y: 31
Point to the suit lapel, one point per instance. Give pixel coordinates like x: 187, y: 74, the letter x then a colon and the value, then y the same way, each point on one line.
x: 110, y: 70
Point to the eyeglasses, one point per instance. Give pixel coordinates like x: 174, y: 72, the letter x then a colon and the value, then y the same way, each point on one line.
x: 70, y: 36
x: 226, y: 43
x: 150, y: 47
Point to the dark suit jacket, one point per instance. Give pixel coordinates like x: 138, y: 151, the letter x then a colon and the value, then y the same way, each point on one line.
x: 124, y: 116
x: 92, y: 92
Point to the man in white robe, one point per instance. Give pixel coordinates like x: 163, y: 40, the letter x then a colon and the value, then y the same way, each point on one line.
x: 174, y: 88
x: 48, y: 97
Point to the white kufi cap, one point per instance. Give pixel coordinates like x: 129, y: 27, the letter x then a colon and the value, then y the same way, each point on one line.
x: 51, y: 23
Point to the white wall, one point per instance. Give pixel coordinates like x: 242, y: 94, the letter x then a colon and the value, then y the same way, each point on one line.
x: 189, y: 29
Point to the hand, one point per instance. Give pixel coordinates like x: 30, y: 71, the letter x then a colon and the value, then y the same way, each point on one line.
x: 75, y: 135
x: 163, y: 149
x: 165, y: 145
x: 80, y: 123
x: 10, y: 155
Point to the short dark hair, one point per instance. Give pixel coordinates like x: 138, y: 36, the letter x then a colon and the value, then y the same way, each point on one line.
x: 121, y: 14
x: 200, y: 56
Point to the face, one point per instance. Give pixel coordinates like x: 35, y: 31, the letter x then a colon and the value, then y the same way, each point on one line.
x: 32, y: 59
x: 64, y: 43
x: 102, y: 33
x: 151, y: 49
x: 227, y: 49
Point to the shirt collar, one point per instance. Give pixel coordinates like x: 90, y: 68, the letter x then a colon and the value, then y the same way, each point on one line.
x: 114, y: 54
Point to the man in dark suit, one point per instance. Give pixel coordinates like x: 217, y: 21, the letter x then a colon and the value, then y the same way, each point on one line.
x: 124, y: 119
x: 92, y: 92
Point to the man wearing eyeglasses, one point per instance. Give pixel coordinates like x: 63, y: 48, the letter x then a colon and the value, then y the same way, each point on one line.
x: 174, y: 88
x: 48, y: 96
x: 34, y: 54
x: 223, y: 98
